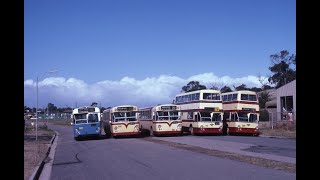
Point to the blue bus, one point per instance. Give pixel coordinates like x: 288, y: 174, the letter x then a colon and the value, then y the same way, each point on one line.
x: 86, y: 121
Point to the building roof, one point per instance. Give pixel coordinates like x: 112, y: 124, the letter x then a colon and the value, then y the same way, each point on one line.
x: 287, y: 89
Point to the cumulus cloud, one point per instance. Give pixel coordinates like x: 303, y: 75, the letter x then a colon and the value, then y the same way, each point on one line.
x: 71, y: 92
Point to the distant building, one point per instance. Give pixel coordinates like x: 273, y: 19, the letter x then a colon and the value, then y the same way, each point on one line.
x: 282, y: 101
x: 286, y: 98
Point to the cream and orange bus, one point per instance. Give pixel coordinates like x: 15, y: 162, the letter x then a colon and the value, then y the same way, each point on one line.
x: 241, y: 112
x: 201, y: 111
x: 121, y: 121
x: 161, y: 120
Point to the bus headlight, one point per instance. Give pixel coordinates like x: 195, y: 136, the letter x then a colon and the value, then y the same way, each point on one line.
x: 201, y: 126
x: 159, y: 126
x: 115, y: 128
x: 77, y: 131
x: 179, y: 126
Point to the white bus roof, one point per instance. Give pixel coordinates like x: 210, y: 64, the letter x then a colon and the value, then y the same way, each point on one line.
x: 240, y: 92
x: 115, y: 107
x: 200, y: 91
x: 76, y: 110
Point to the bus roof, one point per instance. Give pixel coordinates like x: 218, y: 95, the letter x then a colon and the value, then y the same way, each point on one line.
x: 121, y: 106
x: 85, y: 109
x: 240, y: 92
x: 200, y: 91
x: 150, y: 107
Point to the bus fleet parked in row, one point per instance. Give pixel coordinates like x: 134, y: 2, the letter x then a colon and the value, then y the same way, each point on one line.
x: 198, y: 112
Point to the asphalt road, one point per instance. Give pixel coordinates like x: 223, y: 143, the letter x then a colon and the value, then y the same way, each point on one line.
x: 281, y: 147
x: 133, y: 158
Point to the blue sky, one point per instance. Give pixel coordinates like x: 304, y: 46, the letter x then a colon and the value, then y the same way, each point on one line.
x: 143, y: 51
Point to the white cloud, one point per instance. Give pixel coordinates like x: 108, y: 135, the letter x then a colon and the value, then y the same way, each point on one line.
x: 150, y: 91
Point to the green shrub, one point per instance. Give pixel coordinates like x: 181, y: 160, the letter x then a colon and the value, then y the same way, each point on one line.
x: 264, y: 115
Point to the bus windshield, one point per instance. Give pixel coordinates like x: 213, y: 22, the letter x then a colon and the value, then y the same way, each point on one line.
x: 205, y: 116
x: 173, y: 115
x: 93, y: 118
x: 216, y: 117
x: 165, y: 115
x: 131, y: 116
x: 80, y: 118
x: 243, y: 117
x: 124, y: 116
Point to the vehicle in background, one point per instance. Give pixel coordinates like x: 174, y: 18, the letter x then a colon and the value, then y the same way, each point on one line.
x: 241, y: 112
x: 201, y: 111
x: 86, y: 122
x: 161, y: 120
x: 121, y: 121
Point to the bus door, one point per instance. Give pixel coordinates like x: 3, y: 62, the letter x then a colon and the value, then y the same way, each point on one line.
x: 216, y: 118
x: 253, y: 117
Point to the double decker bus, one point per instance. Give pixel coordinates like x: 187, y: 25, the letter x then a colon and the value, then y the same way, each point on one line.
x: 201, y: 111
x: 161, y: 120
x: 121, y: 121
x: 241, y: 112
x: 86, y: 121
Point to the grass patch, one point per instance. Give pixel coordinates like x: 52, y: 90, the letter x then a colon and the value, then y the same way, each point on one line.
x: 279, y: 132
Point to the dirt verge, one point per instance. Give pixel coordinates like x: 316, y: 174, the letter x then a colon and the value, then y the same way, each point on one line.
x: 35, y: 150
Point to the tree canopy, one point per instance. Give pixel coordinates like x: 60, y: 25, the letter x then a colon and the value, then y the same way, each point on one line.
x: 225, y: 89
x: 283, y: 68
x: 193, y: 86
x: 241, y: 87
